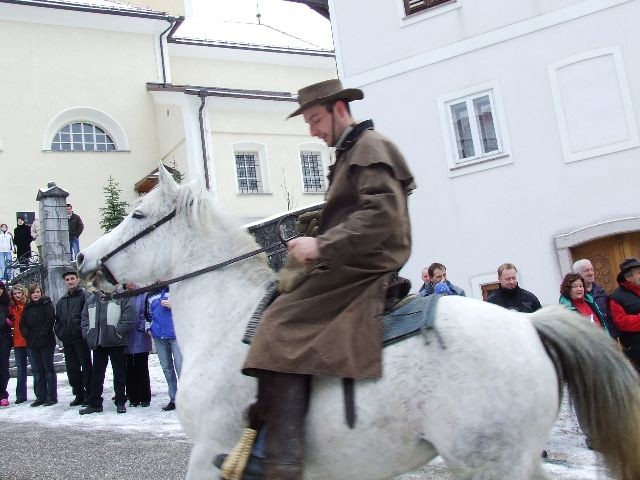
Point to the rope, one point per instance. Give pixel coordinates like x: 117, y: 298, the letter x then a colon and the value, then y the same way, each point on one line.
x: 235, y: 463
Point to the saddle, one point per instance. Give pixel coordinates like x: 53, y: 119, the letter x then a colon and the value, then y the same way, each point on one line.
x: 405, y: 316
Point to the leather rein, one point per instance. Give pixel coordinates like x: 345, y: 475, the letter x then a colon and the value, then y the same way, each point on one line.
x: 137, y: 291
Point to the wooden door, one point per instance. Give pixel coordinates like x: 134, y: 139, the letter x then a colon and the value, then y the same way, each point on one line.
x: 606, y: 254
x: 487, y: 288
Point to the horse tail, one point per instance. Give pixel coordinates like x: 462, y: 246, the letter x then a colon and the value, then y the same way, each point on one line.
x: 604, y: 386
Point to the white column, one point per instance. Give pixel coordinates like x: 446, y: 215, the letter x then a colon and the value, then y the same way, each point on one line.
x: 193, y: 141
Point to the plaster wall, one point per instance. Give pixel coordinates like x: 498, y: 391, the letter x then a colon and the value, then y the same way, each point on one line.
x: 281, y: 140
x: 50, y: 69
x: 475, y: 222
x: 362, y: 43
x: 247, y: 75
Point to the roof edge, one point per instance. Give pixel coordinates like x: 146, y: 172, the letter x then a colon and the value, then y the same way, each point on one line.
x: 250, y: 46
x: 222, y: 92
x: 62, y: 5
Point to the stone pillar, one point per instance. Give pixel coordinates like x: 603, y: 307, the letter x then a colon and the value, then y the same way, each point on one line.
x: 54, y: 232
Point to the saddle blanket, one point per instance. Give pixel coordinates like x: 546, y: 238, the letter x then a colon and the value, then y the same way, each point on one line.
x: 411, y: 316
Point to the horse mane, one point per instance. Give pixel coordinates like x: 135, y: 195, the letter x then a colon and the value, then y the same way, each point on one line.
x: 206, y: 216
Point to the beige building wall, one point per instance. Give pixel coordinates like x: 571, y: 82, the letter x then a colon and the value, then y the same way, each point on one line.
x: 249, y: 75
x: 172, y: 146
x: 50, y: 69
x: 174, y: 7
x: 281, y: 140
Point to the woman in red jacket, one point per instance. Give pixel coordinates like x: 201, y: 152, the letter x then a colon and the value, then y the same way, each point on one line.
x: 5, y: 344
x: 18, y: 297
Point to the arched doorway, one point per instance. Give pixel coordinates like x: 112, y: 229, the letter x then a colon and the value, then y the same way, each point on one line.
x: 606, y: 254
x: 605, y: 244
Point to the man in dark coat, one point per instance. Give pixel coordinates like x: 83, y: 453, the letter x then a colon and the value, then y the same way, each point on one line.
x: 510, y: 295
x: 329, y: 323
x: 76, y: 227
x: 624, y: 305
x: 106, y: 324
x: 22, y: 239
x: 437, y: 274
x: 68, y: 328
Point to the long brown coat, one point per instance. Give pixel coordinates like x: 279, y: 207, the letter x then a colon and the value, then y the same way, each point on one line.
x: 330, y: 324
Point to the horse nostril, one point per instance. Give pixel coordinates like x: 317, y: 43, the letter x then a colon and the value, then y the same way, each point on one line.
x: 79, y: 260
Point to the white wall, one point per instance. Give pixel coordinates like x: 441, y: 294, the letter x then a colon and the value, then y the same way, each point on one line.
x: 473, y: 223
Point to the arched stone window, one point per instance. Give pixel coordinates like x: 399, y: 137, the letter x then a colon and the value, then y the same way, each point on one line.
x: 84, y: 129
x: 82, y: 136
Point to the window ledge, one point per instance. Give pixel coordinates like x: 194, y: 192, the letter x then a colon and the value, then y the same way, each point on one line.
x: 481, y: 163
x: 314, y: 193
x: 86, y: 151
x: 406, y: 20
x: 245, y: 195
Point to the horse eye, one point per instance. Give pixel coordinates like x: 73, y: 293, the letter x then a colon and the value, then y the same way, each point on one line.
x: 137, y: 215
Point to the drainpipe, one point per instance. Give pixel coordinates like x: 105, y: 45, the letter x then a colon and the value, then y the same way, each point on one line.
x: 174, y: 23
x: 205, y: 160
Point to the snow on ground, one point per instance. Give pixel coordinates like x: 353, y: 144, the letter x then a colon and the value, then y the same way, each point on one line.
x: 151, y: 419
x: 568, y: 459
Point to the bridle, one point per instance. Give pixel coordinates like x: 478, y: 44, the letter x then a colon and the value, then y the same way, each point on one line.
x: 102, y: 267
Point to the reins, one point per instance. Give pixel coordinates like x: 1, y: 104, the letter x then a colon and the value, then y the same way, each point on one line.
x: 131, y: 293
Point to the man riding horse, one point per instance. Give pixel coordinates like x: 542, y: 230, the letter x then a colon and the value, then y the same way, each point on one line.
x: 329, y: 322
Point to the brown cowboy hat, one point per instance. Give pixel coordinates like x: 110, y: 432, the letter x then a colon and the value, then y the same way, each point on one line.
x: 325, y: 92
x: 626, y: 265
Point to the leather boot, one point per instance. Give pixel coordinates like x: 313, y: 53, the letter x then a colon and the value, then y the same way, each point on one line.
x: 284, y: 440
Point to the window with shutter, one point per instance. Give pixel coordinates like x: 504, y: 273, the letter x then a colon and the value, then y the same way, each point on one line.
x: 415, y: 6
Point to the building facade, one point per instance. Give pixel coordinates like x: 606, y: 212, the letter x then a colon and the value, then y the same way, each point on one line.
x: 101, y: 88
x: 519, y: 121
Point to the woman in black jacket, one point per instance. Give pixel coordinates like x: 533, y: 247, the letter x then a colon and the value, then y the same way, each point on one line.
x: 36, y: 326
x: 6, y: 342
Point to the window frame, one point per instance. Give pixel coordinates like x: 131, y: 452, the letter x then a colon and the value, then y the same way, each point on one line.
x: 425, y: 13
x: 86, y: 115
x: 480, y: 161
x: 323, y: 152
x: 426, y: 5
x: 260, y: 151
x: 57, y: 139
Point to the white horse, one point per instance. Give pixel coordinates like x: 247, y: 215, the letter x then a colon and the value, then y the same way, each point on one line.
x: 486, y: 403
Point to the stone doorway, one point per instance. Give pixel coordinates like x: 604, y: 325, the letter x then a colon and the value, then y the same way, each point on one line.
x: 606, y: 244
x: 606, y: 254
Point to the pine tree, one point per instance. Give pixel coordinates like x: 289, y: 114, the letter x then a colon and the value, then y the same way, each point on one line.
x: 177, y: 175
x: 115, y: 209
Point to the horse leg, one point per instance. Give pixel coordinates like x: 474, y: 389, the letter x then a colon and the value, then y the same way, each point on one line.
x: 201, y: 463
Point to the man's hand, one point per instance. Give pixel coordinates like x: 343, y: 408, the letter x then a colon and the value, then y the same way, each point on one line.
x: 166, y: 303
x: 304, y: 249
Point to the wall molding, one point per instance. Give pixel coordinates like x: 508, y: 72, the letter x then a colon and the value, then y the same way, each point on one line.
x: 86, y: 114
x: 632, y: 139
x: 565, y: 241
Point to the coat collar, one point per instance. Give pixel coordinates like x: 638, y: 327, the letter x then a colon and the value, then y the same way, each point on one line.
x: 354, y: 135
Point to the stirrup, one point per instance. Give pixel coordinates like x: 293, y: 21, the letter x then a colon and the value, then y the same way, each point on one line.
x: 235, y: 463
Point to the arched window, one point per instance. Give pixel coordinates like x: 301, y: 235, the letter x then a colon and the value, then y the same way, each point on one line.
x: 83, y: 137
x: 84, y: 129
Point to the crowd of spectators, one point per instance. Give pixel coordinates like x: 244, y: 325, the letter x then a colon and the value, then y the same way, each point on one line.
x: 617, y: 314
x: 93, y: 330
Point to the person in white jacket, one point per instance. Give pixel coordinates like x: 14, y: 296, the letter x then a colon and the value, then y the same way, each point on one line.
x: 7, y: 248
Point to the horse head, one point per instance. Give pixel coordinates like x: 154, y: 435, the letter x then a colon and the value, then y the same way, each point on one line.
x: 141, y: 248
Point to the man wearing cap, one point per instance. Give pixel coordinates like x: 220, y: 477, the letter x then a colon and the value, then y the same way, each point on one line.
x: 624, y: 304
x: 328, y: 324
x: 77, y: 356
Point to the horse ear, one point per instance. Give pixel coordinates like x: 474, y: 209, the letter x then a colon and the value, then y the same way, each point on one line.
x: 166, y: 180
